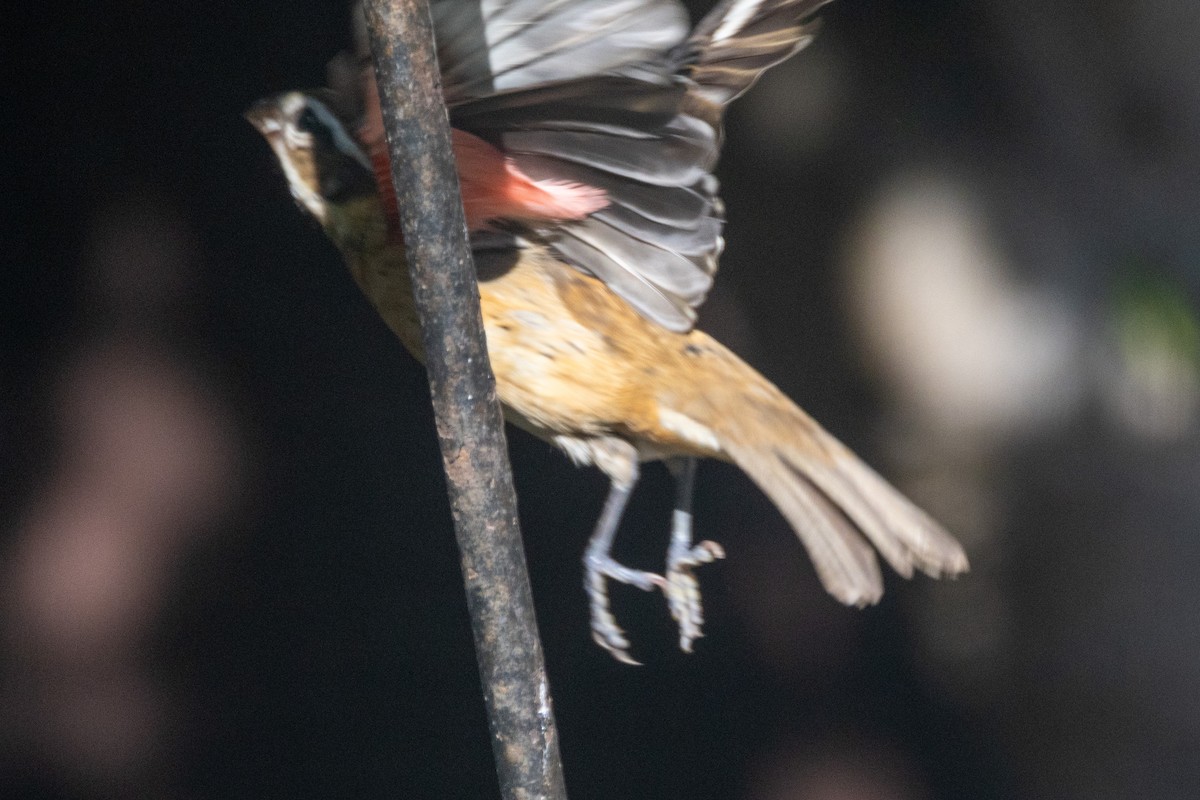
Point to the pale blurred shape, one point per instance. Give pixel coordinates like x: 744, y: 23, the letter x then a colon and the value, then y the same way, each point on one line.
x: 146, y: 459
x: 971, y: 360
x: 968, y: 350
x: 840, y: 768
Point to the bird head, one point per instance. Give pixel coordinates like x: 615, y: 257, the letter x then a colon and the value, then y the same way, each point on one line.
x: 322, y: 163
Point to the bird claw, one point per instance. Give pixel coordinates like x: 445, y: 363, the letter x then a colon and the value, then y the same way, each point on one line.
x: 679, y: 587
x: 682, y: 590
x: 605, y: 630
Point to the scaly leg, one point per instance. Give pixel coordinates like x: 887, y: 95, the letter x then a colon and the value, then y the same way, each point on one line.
x: 682, y: 590
x: 599, y: 566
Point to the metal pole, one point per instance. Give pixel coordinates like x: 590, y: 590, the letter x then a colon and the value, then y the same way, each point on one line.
x: 469, y: 422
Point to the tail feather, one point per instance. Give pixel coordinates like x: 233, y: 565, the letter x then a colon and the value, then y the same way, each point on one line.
x: 904, y: 534
x: 834, y: 501
x: 844, y: 562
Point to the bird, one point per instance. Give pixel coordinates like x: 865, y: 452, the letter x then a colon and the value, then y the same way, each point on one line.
x: 596, y: 229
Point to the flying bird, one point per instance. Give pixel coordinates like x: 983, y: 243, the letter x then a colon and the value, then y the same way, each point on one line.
x: 586, y: 132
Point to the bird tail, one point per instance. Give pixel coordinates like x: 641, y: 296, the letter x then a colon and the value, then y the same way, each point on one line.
x: 833, y: 500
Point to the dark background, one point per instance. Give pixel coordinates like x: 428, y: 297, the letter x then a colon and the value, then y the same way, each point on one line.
x: 962, y: 234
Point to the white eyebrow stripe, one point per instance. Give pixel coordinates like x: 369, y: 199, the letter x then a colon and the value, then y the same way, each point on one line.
x: 735, y: 19
x: 340, y: 137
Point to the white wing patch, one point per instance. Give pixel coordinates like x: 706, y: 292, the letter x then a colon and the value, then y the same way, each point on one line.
x: 689, y: 429
x: 735, y: 18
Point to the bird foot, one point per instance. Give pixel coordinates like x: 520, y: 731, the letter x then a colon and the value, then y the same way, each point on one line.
x: 679, y: 587
x: 605, y: 630
x: 682, y: 590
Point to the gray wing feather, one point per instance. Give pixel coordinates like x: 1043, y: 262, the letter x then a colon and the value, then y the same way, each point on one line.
x: 740, y: 39
x: 496, y: 45
x: 617, y: 95
x: 665, y: 269
x: 639, y: 291
x: 694, y: 243
x: 675, y: 206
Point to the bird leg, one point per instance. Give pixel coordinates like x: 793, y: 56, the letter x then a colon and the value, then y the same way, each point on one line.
x: 599, y: 565
x: 681, y: 588
x: 619, y: 460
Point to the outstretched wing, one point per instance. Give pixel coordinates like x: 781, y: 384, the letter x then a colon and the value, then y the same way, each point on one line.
x: 614, y: 95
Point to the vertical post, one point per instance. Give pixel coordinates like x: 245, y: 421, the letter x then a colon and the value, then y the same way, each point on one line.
x: 469, y: 423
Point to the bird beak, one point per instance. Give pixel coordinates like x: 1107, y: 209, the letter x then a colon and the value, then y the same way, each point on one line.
x: 264, y: 116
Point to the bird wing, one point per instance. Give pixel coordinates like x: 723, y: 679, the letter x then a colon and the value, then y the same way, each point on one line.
x: 613, y: 96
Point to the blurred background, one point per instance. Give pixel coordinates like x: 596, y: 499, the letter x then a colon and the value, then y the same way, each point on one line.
x: 962, y: 234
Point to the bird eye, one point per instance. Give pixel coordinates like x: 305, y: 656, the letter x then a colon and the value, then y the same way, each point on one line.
x: 307, y: 121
